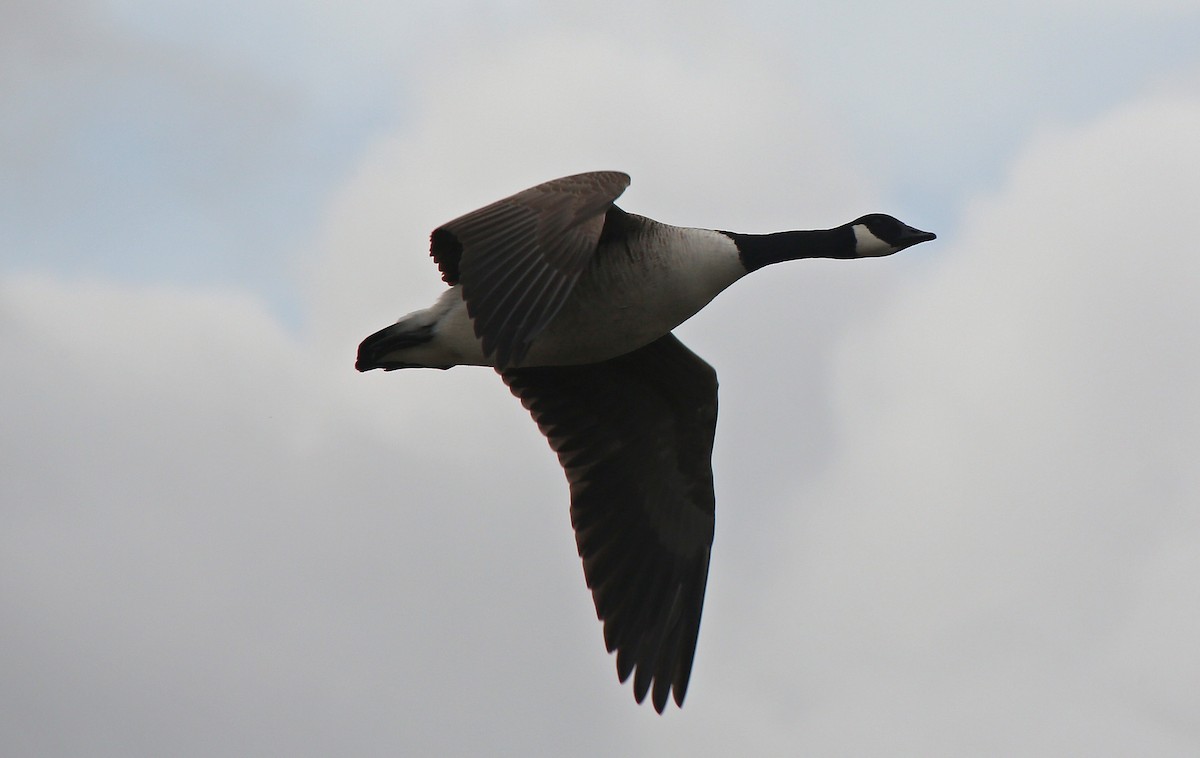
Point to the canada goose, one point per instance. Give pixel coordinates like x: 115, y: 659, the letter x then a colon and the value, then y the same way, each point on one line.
x: 573, y: 300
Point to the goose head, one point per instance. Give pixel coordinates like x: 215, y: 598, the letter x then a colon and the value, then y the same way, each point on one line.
x: 878, y: 234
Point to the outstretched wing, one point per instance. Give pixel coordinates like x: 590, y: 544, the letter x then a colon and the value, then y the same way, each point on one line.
x: 518, y: 258
x: 634, y: 435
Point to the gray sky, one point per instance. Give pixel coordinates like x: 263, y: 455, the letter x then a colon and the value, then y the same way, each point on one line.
x: 956, y: 488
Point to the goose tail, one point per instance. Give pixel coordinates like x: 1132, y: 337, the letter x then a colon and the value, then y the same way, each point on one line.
x: 384, y: 349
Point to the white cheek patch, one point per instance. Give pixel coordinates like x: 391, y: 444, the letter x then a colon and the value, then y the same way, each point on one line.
x: 867, y: 245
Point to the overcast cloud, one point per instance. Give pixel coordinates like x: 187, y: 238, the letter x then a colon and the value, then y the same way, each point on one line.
x: 956, y: 488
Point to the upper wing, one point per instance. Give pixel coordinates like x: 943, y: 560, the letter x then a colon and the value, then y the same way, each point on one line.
x: 635, y: 435
x: 518, y: 258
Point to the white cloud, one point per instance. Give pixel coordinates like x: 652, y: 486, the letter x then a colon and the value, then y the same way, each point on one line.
x: 213, y: 546
x: 1014, y: 480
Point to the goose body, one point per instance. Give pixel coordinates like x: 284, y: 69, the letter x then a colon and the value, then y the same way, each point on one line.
x: 622, y: 300
x: 573, y: 301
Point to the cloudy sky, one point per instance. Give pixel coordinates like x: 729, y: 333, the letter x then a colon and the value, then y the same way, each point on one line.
x: 957, y: 488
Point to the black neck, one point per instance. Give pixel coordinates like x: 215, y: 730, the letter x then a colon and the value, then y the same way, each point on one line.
x: 758, y: 250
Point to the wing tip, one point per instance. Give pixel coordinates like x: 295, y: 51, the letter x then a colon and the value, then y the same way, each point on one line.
x: 446, y: 251
x: 661, y: 689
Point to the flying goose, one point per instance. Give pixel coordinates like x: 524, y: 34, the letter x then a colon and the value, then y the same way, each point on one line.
x: 573, y: 300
